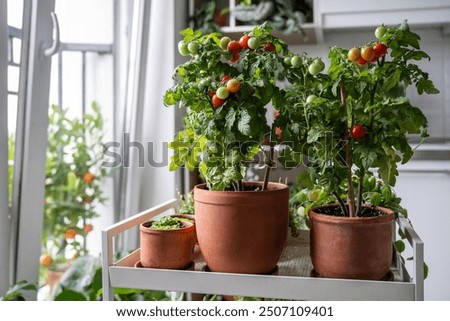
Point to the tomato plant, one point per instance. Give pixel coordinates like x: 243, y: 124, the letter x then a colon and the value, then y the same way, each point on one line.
x: 73, y: 183
x: 350, y: 121
x: 224, y: 132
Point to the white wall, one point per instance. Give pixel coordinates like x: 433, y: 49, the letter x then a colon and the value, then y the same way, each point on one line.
x: 425, y: 192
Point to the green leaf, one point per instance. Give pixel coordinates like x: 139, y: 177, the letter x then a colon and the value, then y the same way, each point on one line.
x: 314, y: 134
x: 244, y: 123
x: 70, y: 295
x: 230, y: 118
x: 399, y: 246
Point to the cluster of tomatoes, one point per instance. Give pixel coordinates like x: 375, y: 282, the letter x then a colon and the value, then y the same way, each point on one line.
x: 369, y: 53
x: 228, y: 86
x: 245, y: 42
x: 316, y: 67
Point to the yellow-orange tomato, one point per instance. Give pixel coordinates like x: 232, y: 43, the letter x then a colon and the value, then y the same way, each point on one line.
x: 70, y: 234
x: 354, y: 54
x: 46, y: 260
x: 88, y: 178
x: 367, y: 53
x: 88, y: 228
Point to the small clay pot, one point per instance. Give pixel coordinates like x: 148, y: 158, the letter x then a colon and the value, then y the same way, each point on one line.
x: 351, y: 247
x: 167, y: 249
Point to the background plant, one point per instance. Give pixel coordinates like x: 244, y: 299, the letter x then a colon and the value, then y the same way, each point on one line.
x: 73, y: 185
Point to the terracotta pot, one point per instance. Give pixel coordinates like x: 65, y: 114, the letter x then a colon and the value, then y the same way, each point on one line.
x: 242, y: 232
x: 167, y: 249
x: 351, y: 247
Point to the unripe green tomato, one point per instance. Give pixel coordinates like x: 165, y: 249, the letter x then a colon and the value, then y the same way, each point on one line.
x: 314, y: 68
x: 380, y: 31
x: 222, y: 93
x: 296, y: 61
x: 311, y: 98
x: 224, y: 41
x: 320, y: 63
x: 287, y: 61
x: 183, y: 48
x: 313, y: 195
x: 193, y: 47
x: 254, y: 43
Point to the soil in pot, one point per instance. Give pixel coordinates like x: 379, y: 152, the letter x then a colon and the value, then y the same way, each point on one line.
x: 167, y: 248
x: 351, y: 247
x: 242, y: 232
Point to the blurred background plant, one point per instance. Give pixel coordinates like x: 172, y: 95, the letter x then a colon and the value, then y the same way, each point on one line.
x: 73, y: 187
x: 285, y: 15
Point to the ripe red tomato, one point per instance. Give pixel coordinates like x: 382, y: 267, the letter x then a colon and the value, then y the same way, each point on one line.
x: 235, y: 57
x: 220, y: 18
x: 269, y: 46
x: 211, y: 93
x: 367, y: 53
x: 244, y: 42
x: 380, y: 49
x: 234, y: 47
x: 217, y: 102
x: 357, y: 132
x: 354, y: 54
x: 225, y: 78
x: 361, y: 61
x: 88, y: 228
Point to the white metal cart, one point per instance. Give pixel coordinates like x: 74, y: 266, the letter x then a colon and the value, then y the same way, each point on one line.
x: 292, y: 282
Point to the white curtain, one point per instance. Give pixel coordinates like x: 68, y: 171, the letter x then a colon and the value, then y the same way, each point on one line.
x: 147, y: 121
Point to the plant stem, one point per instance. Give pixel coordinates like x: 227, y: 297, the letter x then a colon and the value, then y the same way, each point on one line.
x: 341, y: 203
x: 360, y: 192
x: 348, y: 158
x: 269, y: 164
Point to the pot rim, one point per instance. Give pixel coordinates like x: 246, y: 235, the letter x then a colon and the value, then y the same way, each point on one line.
x: 272, y: 186
x: 389, y: 216
x: 186, y: 226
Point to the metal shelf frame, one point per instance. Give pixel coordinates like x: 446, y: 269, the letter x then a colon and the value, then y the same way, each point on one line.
x: 123, y: 274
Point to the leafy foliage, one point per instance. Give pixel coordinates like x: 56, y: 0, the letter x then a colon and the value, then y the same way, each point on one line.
x: 16, y: 293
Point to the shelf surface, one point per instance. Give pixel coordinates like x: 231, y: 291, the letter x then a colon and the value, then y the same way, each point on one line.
x: 293, y: 281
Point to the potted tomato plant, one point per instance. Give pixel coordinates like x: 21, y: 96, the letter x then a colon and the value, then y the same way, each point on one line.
x: 353, y: 123
x: 167, y: 243
x: 227, y: 86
